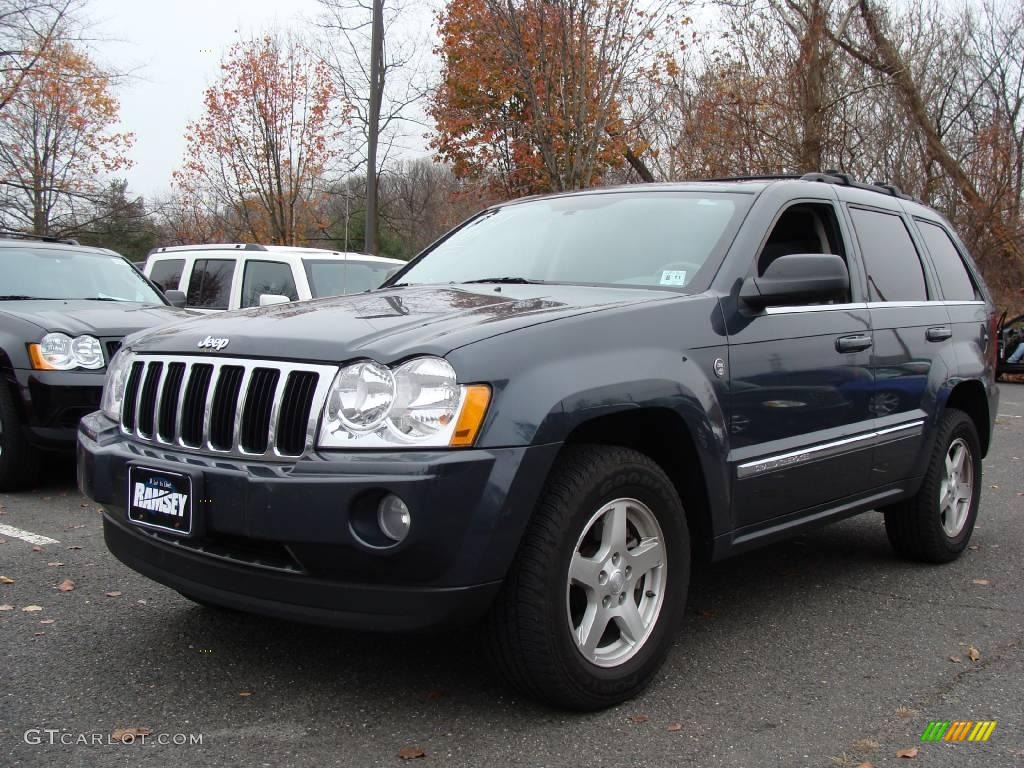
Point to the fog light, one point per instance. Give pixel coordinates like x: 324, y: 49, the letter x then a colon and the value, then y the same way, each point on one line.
x: 393, y: 518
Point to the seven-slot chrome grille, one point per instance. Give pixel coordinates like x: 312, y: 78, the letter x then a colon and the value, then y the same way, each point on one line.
x: 251, y: 408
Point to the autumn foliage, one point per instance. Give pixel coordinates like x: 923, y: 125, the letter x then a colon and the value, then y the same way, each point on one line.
x: 254, y: 161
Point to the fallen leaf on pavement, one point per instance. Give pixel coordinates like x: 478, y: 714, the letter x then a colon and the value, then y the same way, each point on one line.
x: 909, y: 753
x: 982, y: 582
x: 32, y: 608
x: 675, y: 727
x: 74, y: 546
x: 37, y: 549
x: 6, y: 580
x: 973, y: 653
x: 974, y: 546
x: 38, y: 634
x: 865, y: 765
x: 245, y: 693
x: 113, y: 594
x: 66, y: 586
x: 55, y: 565
x: 435, y: 695
x: 47, y: 621
x: 956, y: 659
x: 6, y: 607
x: 706, y: 614
x: 411, y: 753
x: 639, y: 718
x: 128, y: 735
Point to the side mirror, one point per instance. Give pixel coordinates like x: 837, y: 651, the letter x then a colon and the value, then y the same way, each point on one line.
x: 176, y: 298
x: 268, y: 299
x: 798, y: 278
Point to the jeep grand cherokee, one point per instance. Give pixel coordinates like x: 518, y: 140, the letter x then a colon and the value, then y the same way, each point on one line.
x: 545, y: 416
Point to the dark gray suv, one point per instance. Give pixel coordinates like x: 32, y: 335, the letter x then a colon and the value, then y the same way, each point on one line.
x: 546, y: 416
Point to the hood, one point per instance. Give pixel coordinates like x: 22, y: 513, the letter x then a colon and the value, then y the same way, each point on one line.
x: 96, y: 318
x: 385, y: 325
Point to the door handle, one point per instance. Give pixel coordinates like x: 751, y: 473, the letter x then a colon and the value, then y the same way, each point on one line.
x: 853, y: 343
x: 938, y: 333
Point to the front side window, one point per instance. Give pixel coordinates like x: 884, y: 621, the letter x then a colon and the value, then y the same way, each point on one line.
x: 272, y: 277
x: 167, y: 273
x: 803, y: 228
x: 64, y: 273
x: 210, y: 285
x: 329, y: 277
x: 643, y: 239
x: 953, y: 275
x: 894, y: 268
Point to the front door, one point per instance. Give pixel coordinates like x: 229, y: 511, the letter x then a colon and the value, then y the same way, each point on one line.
x: 800, y: 386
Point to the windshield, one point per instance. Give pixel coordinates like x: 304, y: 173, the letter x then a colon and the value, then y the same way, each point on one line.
x: 337, y: 278
x: 43, y: 273
x: 650, y: 238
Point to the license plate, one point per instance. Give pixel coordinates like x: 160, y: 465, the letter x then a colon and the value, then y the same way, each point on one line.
x: 160, y: 499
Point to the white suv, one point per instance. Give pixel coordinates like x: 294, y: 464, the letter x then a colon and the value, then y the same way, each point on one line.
x: 238, y: 275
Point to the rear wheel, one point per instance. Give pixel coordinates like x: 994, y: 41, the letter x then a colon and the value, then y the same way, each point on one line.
x: 590, y: 606
x: 935, y: 525
x: 19, y: 461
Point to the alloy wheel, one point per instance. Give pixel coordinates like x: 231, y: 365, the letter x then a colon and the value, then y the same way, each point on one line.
x: 957, y: 489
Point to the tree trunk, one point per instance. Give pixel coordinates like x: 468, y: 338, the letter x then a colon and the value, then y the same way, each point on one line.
x: 370, y: 241
x: 813, y: 61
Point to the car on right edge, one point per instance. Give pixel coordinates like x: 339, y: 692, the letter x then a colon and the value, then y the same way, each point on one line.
x: 544, y: 418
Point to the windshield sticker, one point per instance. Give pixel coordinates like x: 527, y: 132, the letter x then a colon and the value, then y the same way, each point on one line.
x: 673, y: 277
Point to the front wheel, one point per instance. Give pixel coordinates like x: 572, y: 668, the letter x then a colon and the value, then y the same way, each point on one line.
x: 19, y: 461
x: 590, y: 606
x: 935, y: 525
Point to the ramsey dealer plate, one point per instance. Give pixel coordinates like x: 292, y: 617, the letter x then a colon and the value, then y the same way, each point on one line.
x: 160, y: 499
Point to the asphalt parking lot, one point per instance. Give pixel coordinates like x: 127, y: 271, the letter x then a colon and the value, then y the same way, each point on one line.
x: 821, y: 651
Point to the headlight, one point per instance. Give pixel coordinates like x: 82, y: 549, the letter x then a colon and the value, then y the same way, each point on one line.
x: 117, y: 381
x: 419, y: 403
x: 59, y: 352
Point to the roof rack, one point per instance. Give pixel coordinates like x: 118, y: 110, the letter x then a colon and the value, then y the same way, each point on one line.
x: 846, y: 180
x: 757, y: 177
x: 210, y: 247
x: 12, y: 235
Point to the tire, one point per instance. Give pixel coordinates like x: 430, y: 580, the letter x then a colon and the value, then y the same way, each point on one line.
x: 638, y: 588
x: 932, y: 527
x: 19, y: 461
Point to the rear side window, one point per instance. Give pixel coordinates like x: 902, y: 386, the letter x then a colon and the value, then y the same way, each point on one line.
x: 893, y: 266
x: 210, y: 286
x: 267, y: 277
x: 953, y: 275
x: 167, y: 273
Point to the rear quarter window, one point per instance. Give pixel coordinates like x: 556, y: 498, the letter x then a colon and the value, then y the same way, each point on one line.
x: 954, y: 278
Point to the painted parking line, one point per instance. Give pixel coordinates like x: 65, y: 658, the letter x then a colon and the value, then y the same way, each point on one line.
x: 31, y: 538
x: 1009, y: 416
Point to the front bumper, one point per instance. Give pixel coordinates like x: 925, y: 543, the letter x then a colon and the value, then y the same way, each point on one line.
x: 276, y: 538
x: 53, y: 402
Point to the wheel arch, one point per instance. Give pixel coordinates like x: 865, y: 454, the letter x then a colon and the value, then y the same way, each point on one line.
x: 971, y: 398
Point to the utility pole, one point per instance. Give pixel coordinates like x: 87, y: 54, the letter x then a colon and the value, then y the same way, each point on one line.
x: 373, y: 127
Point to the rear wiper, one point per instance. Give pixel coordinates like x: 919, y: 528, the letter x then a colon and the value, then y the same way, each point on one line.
x: 522, y: 280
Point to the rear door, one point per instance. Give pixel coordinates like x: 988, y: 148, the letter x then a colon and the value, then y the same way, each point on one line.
x: 913, y: 350
x: 210, y: 284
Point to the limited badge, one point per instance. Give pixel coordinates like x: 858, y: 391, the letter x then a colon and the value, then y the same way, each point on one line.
x: 719, y: 367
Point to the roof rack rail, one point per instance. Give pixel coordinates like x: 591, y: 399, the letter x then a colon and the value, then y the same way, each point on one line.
x: 12, y: 235
x: 846, y: 180
x: 757, y: 177
x: 208, y: 247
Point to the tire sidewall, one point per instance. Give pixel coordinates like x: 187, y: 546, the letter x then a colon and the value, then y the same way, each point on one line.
x: 641, y: 483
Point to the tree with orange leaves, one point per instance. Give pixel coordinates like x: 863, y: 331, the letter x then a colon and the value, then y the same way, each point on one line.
x: 254, y: 161
x: 57, y: 141
x: 533, y: 92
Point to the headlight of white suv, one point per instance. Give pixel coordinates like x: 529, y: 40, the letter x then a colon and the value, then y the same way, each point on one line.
x: 417, y: 404
x: 116, y: 383
x: 60, y: 352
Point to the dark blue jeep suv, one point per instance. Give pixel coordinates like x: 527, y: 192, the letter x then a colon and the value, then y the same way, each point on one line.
x: 545, y: 416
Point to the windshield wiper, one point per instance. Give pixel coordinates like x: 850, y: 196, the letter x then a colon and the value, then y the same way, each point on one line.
x: 101, y: 298
x: 13, y: 297
x: 522, y: 280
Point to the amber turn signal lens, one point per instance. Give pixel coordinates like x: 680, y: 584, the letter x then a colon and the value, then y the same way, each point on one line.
x: 474, y: 409
x: 35, y: 355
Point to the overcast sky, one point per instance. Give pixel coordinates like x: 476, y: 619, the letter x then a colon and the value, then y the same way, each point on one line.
x: 174, y: 50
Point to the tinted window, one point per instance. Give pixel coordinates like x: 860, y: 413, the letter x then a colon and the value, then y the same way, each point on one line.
x: 210, y: 286
x: 167, y: 273
x: 894, y: 268
x: 267, y: 277
x: 336, y: 278
x: 649, y: 238
x: 953, y: 276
